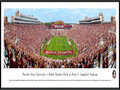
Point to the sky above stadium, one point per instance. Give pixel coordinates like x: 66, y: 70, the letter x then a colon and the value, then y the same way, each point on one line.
x: 68, y: 15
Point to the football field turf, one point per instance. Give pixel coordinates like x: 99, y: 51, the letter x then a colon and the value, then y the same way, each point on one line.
x: 59, y: 44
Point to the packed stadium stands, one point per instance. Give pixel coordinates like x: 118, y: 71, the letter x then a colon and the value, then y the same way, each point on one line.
x: 96, y: 45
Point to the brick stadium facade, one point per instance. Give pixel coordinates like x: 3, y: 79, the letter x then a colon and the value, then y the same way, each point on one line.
x: 59, y: 25
x: 59, y: 28
x: 93, y: 20
x: 20, y: 18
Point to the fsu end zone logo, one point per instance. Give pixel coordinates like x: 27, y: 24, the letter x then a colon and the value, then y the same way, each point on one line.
x: 114, y: 74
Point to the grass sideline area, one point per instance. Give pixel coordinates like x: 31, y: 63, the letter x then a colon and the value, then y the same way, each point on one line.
x: 59, y: 44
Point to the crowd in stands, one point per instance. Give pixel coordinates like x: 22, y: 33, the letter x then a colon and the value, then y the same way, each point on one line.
x: 25, y: 39
x: 95, y: 43
x: 94, y: 40
x: 57, y: 32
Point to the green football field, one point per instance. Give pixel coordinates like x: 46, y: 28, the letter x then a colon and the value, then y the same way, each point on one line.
x: 59, y: 44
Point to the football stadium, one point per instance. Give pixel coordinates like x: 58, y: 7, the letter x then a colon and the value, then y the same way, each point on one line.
x: 29, y: 43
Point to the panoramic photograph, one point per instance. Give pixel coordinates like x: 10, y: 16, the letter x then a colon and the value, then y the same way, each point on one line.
x: 59, y: 38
